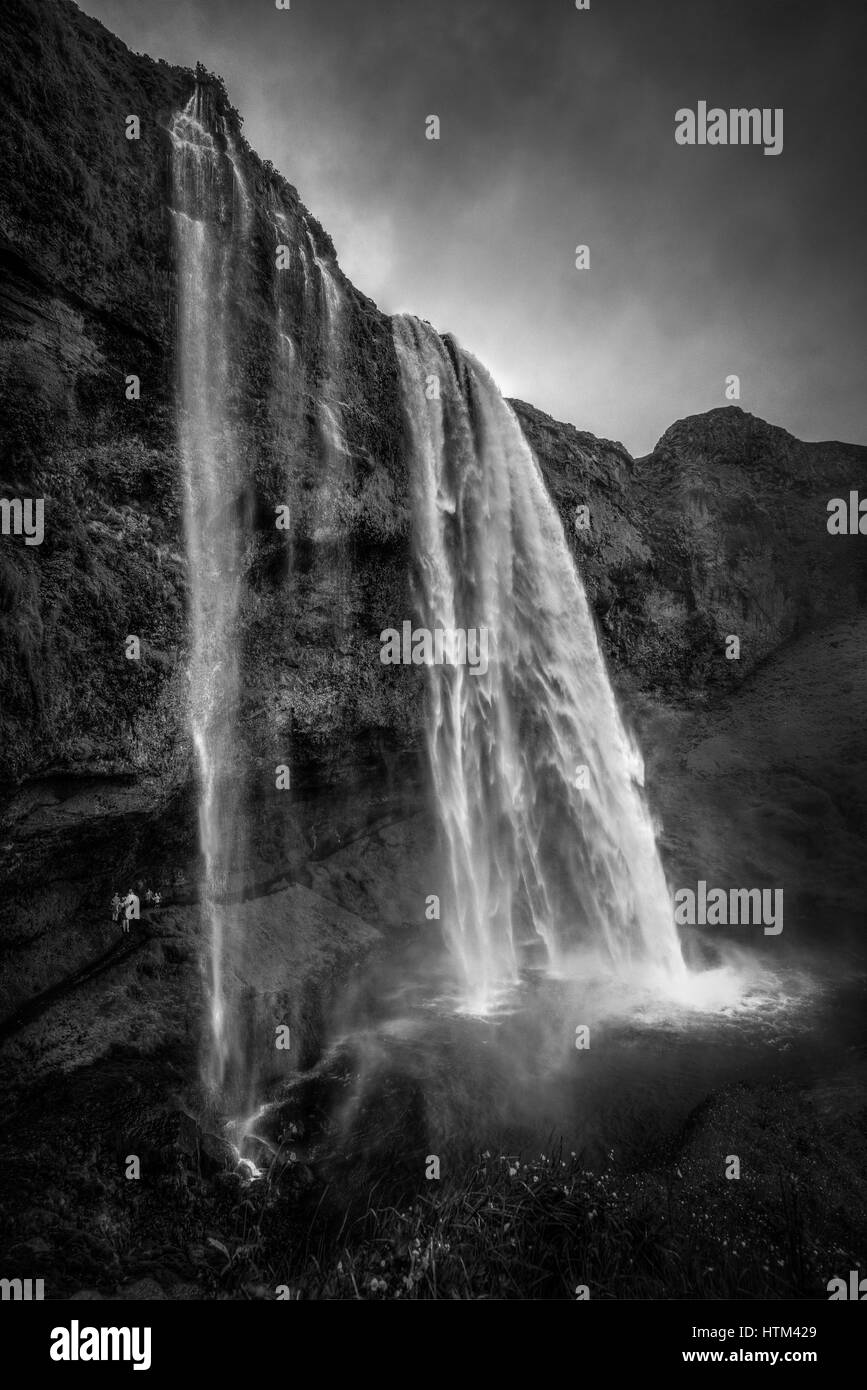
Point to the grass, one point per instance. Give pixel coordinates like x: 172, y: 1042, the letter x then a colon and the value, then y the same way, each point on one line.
x: 537, y: 1230
x: 667, y: 1227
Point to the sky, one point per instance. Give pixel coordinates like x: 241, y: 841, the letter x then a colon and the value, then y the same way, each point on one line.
x: 557, y: 129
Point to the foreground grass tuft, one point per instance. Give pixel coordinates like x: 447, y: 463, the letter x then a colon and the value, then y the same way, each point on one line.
x: 540, y: 1230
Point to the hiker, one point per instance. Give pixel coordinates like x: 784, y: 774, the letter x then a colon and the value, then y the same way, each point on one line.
x: 116, y: 906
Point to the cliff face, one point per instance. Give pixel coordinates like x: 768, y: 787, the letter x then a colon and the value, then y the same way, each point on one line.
x: 95, y: 758
x: 721, y: 530
x: 90, y: 296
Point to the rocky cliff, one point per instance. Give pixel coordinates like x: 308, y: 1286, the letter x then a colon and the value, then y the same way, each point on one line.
x: 720, y: 531
x: 95, y: 760
x: 90, y: 296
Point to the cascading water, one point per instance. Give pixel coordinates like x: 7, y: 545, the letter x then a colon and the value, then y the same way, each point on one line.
x: 331, y: 508
x: 285, y: 347
x: 331, y: 303
x: 537, y: 852
x: 536, y: 782
x: 209, y: 225
x: 327, y: 519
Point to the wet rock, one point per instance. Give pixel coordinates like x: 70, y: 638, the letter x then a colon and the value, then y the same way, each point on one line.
x: 217, y: 1153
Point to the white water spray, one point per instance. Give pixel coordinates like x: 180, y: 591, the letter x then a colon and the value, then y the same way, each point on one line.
x: 207, y: 197
x: 533, y: 853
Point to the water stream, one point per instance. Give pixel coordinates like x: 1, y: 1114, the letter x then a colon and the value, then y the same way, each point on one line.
x: 537, y: 785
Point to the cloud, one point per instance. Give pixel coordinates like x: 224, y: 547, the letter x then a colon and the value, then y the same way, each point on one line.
x: 558, y: 128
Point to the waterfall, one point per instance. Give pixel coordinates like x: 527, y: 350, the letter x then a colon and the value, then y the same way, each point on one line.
x: 207, y: 189
x: 331, y: 507
x: 331, y: 305
x: 547, y: 840
x: 537, y: 785
x: 328, y: 517
x: 285, y: 347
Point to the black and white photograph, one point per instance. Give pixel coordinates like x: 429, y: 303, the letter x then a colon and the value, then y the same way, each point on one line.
x: 433, y: 640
